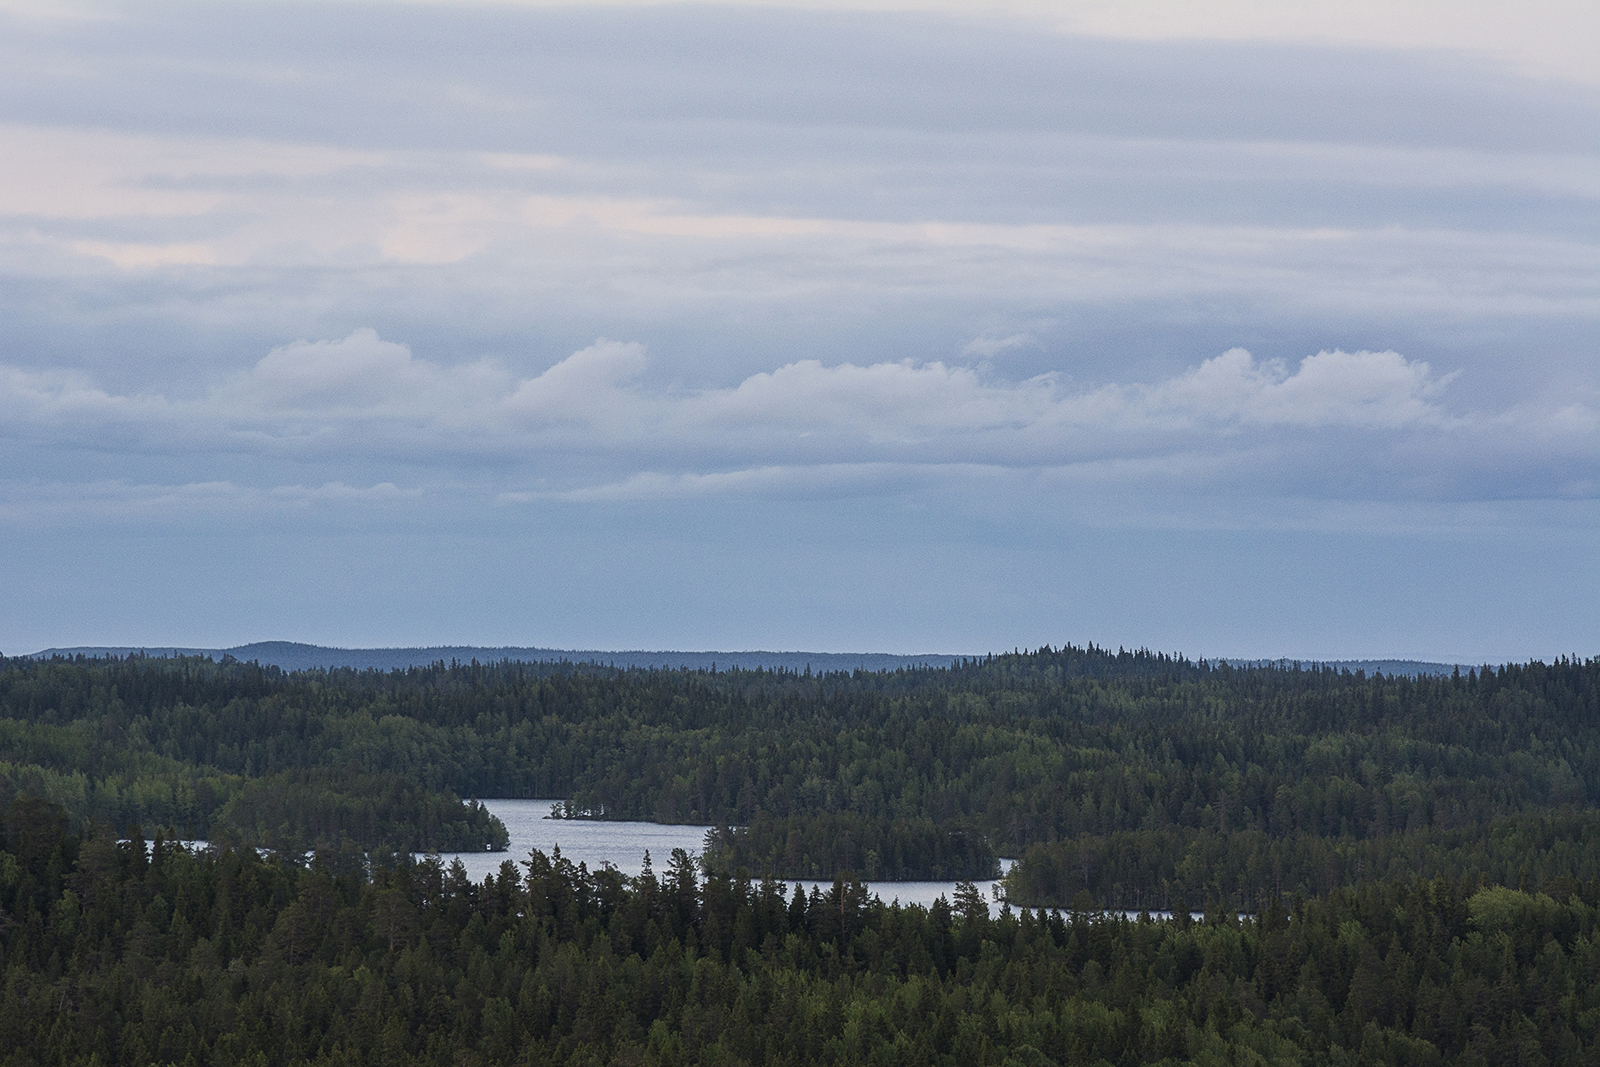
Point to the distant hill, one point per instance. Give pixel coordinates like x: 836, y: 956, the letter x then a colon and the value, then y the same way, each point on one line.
x: 295, y: 656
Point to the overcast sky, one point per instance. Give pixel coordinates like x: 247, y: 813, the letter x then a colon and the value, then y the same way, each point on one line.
x: 843, y: 327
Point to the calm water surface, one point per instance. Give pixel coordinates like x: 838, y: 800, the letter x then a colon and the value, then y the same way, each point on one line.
x: 623, y: 845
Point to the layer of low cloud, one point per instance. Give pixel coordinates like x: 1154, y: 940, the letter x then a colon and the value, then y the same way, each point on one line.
x: 121, y: 503
x: 322, y: 401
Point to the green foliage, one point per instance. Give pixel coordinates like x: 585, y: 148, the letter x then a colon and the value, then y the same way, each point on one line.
x: 221, y: 751
x: 819, y: 846
x: 1151, y: 868
x: 137, y: 954
x: 1438, y: 837
x: 294, y: 810
x: 1128, y: 775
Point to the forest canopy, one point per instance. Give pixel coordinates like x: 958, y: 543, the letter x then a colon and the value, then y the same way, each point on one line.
x: 126, y: 953
x: 1136, y: 777
x: 1392, y: 870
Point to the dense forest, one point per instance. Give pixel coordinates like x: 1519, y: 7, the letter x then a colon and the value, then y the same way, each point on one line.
x: 1134, y: 777
x: 119, y: 953
x: 1392, y: 870
x: 225, y: 752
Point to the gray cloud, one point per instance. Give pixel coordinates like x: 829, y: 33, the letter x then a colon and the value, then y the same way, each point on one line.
x: 811, y: 422
x: 950, y: 287
x: 460, y: 77
x: 830, y: 183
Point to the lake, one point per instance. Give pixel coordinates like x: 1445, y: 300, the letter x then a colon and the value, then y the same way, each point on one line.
x: 623, y: 845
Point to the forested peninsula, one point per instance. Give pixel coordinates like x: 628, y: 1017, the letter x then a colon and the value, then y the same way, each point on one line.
x: 1393, y: 869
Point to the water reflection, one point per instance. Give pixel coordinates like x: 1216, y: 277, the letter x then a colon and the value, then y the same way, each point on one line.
x: 623, y: 845
x: 592, y: 842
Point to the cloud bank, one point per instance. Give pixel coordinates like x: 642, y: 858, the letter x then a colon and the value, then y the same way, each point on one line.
x: 324, y: 400
x: 938, y: 328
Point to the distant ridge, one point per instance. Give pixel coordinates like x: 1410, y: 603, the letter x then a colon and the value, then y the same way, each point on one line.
x: 295, y: 656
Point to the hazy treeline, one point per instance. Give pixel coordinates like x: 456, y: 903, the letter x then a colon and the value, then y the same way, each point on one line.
x: 127, y: 954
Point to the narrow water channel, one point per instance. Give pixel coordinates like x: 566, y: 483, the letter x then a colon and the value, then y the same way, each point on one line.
x: 623, y: 845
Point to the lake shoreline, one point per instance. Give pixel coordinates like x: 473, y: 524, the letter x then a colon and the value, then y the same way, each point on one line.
x: 624, y: 843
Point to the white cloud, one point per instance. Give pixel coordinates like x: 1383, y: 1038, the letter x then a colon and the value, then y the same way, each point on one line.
x: 359, y: 371
x: 69, y: 403
x: 1367, y: 389
x: 830, y: 479
x: 590, y: 386
x: 324, y: 401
